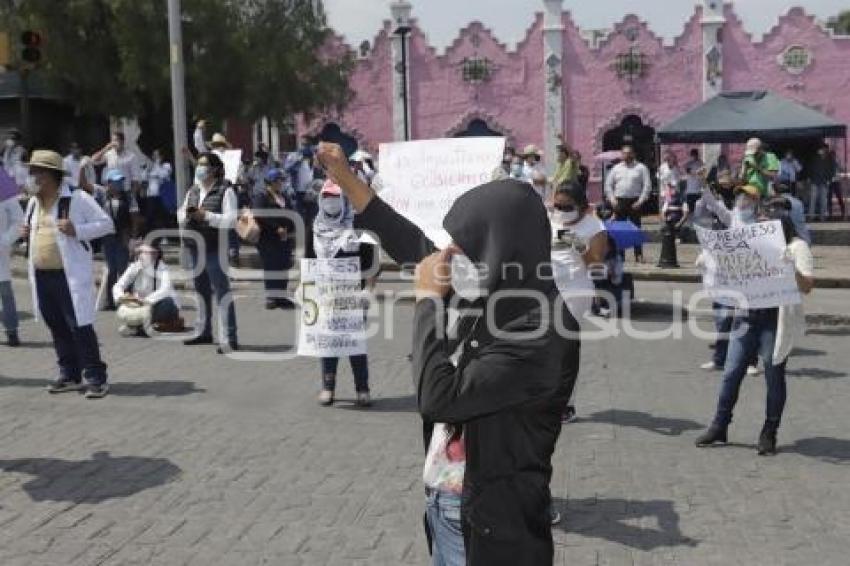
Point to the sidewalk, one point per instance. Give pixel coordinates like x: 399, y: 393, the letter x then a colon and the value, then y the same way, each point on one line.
x: 832, y: 265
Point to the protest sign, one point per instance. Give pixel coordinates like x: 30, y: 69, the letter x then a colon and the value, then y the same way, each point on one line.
x: 232, y: 159
x: 422, y: 179
x: 746, y: 266
x: 333, y: 320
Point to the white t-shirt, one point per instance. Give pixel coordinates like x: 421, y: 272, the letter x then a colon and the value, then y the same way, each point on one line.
x: 72, y: 167
x: 158, y: 174
x: 125, y: 162
x: 692, y: 168
x: 572, y: 278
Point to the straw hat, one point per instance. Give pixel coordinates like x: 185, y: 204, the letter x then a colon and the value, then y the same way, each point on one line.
x: 531, y: 150
x: 219, y: 139
x: 46, y: 159
x: 749, y: 190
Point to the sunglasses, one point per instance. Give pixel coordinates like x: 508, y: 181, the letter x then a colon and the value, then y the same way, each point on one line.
x: 565, y: 207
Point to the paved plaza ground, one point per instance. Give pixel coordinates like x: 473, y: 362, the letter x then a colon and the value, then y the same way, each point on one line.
x: 198, y: 459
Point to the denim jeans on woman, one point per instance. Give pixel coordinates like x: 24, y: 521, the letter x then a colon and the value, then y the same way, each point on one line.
x: 753, y: 331
x: 444, y: 526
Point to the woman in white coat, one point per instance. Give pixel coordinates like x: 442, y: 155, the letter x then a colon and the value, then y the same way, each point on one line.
x: 11, y: 216
x: 60, y: 224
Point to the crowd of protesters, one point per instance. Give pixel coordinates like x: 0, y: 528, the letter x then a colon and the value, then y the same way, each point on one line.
x: 492, y: 405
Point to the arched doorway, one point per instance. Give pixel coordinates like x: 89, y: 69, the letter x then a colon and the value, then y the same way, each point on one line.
x: 478, y: 128
x: 333, y: 133
x: 632, y: 131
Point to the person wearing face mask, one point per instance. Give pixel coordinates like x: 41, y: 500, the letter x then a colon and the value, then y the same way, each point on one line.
x: 334, y: 237
x: 208, y: 213
x: 490, y: 390
x: 276, y: 236
x: 11, y: 218
x: 60, y: 224
x: 518, y: 169
x: 567, y: 170
x: 532, y: 163
x: 116, y: 246
x: 158, y: 174
x: 769, y: 333
x: 712, y: 213
x: 627, y: 188
x: 146, y: 296
x: 579, y: 244
x: 116, y: 157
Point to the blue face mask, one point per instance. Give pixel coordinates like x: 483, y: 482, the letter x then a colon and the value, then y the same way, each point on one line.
x: 202, y: 173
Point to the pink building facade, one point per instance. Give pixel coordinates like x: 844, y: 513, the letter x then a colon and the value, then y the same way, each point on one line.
x: 557, y: 79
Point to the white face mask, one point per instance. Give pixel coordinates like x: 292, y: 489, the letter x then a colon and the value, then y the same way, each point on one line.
x: 467, y: 281
x: 561, y: 218
x: 32, y: 186
x: 332, y: 206
x: 745, y: 210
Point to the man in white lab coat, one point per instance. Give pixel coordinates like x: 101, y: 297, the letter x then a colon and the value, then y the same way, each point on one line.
x: 60, y: 224
x: 11, y: 216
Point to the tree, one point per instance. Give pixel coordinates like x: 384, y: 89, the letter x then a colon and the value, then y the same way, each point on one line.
x: 244, y: 58
x: 840, y: 24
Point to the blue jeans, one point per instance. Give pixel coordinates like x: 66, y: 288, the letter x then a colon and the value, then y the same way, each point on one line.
x: 10, y: 310
x: 756, y: 334
x: 117, y: 256
x: 213, y: 280
x: 723, y: 318
x: 76, y: 346
x: 276, y: 255
x: 444, y: 525
x: 359, y: 367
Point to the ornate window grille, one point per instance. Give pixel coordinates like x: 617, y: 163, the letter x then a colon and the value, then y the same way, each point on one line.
x: 477, y: 70
x: 631, y: 65
x: 796, y: 59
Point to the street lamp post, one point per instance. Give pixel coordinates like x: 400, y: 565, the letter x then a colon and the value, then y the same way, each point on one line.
x: 178, y: 96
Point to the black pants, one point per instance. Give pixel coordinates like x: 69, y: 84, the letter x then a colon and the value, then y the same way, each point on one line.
x: 835, y: 191
x: 76, y: 346
x: 276, y: 255
x: 624, y: 211
x: 155, y: 214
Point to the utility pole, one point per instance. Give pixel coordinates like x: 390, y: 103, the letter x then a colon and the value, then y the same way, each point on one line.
x: 178, y: 96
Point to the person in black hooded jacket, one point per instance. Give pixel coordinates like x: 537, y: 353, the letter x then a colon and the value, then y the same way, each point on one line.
x: 505, y: 393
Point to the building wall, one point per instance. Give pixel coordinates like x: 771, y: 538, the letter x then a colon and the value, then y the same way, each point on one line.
x: 595, y: 97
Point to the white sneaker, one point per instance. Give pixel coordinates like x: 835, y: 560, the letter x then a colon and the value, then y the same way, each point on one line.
x: 126, y: 331
x: 753, y: 370
x: 710, y: 366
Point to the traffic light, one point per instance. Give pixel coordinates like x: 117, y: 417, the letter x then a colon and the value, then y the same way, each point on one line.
x: 31, y: 47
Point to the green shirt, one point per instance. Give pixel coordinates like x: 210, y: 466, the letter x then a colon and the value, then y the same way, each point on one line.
x: 566, y: 173
x: 768, y: 162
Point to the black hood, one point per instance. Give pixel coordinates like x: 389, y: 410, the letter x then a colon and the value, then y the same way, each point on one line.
x: 504, y: 225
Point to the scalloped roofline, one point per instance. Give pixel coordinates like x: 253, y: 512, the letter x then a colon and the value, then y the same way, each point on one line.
x: 781, y: 19
x: 676, y: 42
x: 673, y: 44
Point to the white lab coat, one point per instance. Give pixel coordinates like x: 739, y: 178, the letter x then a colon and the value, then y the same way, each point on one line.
x: 11, y: 218
x: 90, y: 223
x: 141, y: 282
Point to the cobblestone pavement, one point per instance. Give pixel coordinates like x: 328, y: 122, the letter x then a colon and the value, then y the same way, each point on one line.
x: 197, y: 459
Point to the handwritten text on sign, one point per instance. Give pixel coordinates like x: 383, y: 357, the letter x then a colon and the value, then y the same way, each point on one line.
x: 748, y: 263
x: 422, y: 179
x: 332, y: 308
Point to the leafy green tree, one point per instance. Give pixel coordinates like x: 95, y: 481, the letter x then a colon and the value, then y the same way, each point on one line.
x: 841, y: 23
x: 244, y: 58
